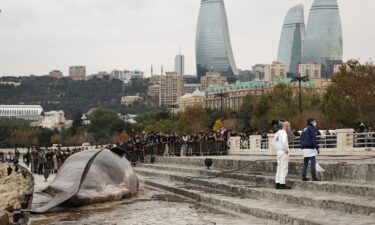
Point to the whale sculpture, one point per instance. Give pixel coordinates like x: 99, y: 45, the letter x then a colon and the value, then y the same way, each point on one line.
x: 93, y: 176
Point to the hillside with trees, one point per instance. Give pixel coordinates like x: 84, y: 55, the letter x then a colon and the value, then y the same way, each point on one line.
x: 71, y: 96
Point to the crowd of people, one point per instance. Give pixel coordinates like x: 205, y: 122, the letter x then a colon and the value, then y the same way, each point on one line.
x: 364, y: 137
x: 43, y: 161
x: 139, y: 148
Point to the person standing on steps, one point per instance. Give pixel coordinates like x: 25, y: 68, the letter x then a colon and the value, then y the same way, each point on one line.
x: 310, y: 149
x: 280, y: 142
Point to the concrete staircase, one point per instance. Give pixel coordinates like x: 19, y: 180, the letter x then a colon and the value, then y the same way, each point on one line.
x: 247, y: 187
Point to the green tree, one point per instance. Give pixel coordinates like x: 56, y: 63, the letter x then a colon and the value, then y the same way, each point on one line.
x: 77, y: 123
x: 261, y: 118
x: 281, y: 103
x: 103, y: 124
x: 24, y: 138
x: 193, y: 120
x: 56, y: 139
x: 351, y: 96
x: 245, y: 112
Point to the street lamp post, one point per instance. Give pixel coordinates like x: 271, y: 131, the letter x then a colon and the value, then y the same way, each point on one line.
x: 300, y: 79
x: 173, y: 107
x: 222, y: 95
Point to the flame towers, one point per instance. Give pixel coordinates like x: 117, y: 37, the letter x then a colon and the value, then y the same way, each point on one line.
x: 323, y: 41
x: 291, y: 41
x: 213, y: 47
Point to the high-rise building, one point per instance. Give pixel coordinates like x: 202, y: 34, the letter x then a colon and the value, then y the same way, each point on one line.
x: 273, y: 71
x: 154, y: 91
x: 77, y: 72
x: 291, y: 40
x: 258, y: 68
x: 212, y: 79
x: 117, y: 74
x: 324, y: 40
x: 179, y: 64
x: 311, y: 70
x: 213, y: 46
x: 171, y: 88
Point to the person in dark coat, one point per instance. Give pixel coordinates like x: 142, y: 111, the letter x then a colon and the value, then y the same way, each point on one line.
x: 48, y: 164
x: 34, y: 160
x: 27, y: 158
x: 310, y: 148
x: 41, y: 160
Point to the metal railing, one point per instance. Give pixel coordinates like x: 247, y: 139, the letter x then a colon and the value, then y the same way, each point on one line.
x: 188, y: 148
x: 324, y: 142
x: 244, y: 144
x: 264, y: 143
x: 364, y: 140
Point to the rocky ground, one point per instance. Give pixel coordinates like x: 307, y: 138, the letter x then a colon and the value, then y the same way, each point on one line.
x: 12, y: 191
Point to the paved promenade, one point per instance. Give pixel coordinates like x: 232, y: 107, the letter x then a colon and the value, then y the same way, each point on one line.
x: 149, y: 207
x: 181, y: 191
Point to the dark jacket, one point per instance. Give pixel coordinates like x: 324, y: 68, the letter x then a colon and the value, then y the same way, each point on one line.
x: 308, y: 138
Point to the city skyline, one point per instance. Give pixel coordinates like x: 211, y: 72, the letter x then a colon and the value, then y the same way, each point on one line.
x: 39, y: 36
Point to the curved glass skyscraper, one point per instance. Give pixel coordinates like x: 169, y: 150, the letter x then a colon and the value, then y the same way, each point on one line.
x: 213, y: 47
x: 291, y: 41
x: 323, y: 41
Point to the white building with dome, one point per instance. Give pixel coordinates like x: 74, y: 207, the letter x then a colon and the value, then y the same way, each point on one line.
x: 189, y: 100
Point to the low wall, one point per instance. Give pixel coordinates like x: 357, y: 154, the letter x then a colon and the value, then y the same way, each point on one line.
x: 357, y: 171
x: 298, y: 152
x: 16, y: 195
x: 343, y: 142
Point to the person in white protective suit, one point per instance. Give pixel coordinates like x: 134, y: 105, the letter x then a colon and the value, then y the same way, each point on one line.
x: 280, y: 142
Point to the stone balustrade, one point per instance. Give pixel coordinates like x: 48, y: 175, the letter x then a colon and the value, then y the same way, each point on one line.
x: 339, y: 142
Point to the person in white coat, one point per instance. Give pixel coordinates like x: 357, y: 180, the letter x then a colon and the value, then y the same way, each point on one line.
x: 280, y: 142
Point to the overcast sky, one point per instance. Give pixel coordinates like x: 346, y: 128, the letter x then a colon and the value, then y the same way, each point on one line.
x: 37, y: 36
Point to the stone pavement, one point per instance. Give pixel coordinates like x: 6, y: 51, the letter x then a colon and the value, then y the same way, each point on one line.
x: 160, y: 209
x: 242, y: 187
x: 246, y: 185
x: 150, y: 206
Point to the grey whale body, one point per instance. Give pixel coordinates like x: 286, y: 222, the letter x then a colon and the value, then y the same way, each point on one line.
x: 88, y: 177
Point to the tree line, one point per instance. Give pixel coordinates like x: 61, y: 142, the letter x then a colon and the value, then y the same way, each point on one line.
x: 348, y: 101
x: 70, y: 95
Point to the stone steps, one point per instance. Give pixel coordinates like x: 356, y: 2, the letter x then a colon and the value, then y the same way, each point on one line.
x: 346, y: 188
x: 277, y: 211
x: 353, y: 171
x: 364, y: 205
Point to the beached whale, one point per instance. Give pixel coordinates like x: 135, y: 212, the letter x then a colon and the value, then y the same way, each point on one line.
x: 92, y: 176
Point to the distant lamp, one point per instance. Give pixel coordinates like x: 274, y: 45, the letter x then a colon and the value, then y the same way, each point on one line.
x: 208, y: 162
